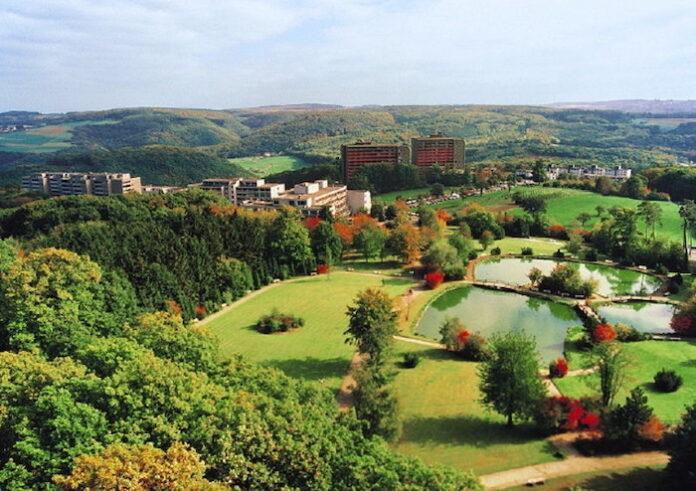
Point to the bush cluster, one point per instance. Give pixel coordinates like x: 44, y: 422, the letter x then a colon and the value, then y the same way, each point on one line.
x: 667, y: 380
x: 558, y: 368
x: 277, y: 322
x: 411, y: 360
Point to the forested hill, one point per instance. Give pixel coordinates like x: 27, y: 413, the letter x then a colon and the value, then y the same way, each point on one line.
x: 315, y: 133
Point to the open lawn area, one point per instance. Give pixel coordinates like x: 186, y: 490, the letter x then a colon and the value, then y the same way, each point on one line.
x: 444, y: 423
x: 540, y: 245
x: 646, y: 359
x: 43, y: 138
x: 632, y: 479
x: 315, y: 352
x: 564, y: 205
x: 264, y: 166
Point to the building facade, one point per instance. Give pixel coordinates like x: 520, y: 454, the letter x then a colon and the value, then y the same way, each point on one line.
x: 76, y: 183
x: 357, y: 155
x: 589, y: 172
x: 438, y: 150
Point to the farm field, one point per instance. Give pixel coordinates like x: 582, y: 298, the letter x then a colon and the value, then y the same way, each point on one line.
x: 646, y: 359
x: 315, y: 352
x: 44, y: 138
x: 566, y: 204
x: 264, y: 166
x: 444, y: 423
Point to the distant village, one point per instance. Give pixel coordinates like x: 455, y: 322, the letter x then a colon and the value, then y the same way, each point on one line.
x: 307, y: 197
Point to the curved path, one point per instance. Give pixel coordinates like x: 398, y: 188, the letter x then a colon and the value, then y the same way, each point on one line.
x: 570, y: 466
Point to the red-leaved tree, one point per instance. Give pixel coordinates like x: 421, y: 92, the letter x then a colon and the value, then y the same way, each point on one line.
x: 603, y: 333
x: 433, y: 280
x: 681, y: 324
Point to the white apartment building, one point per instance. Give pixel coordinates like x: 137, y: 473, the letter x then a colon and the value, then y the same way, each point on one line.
x: 589, y: 172
x: 76, y: 183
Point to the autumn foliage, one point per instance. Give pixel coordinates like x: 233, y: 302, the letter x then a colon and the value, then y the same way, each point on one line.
x: 561, y: 413
x: 323, y: 269
x: 681, y: 324
x: 558, y: 231
x: 558, y: 368
x: 311, y: 222
x: 433, y: 280
x: 345, y: 233
x: 603, y: 333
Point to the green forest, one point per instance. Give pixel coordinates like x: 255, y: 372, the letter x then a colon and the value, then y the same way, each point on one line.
x: 100, y: 362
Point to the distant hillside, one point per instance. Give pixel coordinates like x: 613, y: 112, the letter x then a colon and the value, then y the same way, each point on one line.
x: 634, y: 106
x: 314, y: 133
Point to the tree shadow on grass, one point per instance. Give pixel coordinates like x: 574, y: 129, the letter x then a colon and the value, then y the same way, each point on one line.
x: 467, y: 430
x: 310, y: 368
x: 643, y: 479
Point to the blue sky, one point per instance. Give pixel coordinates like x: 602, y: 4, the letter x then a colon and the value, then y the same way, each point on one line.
x: 65, y: 55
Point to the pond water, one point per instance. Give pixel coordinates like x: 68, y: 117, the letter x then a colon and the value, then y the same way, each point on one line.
x: 611, y: 281
x: 488, y: 312
x: 644, y: 316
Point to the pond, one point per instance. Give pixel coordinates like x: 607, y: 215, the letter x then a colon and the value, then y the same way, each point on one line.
x: 611, y: 281
x: 488, y: 312
x: 644, y: 316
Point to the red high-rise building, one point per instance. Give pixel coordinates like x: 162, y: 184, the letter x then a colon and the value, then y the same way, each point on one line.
x: 438, y: 150
x: 360, y: 154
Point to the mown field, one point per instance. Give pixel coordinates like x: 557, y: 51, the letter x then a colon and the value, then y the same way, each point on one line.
x: 646, y: 358
x: 631, y: 479
x: 444, y: 422
x: 264, y: 166
x: 315, y: 352
x: 564, y: 205
x: 42, y: 139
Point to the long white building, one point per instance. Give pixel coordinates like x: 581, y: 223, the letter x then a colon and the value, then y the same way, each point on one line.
x: 74, y: 183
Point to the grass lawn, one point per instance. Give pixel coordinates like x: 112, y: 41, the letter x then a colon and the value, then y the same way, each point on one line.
x: 631, y: 479
x: 263, y: 166
x: 646, y: 359
x: 539, y: 245
x: 315, y: 352
x: 389, y: 198
x: 566, y: 204
x: 356, y: 261
x: 445, y: 424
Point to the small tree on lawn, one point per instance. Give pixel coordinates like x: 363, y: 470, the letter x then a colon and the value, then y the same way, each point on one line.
x: 535, y: 275
x: 510, y: 382
x: 371, y: 324
x: 486, y: 239
x: 611, y: 366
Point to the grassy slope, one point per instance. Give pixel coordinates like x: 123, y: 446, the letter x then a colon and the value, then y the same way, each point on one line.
x: 264, y: 166
x: 566, y: 204
x: 315, y: 352
x: 646, y: 359
x: 445, y: 424
x: 43, y: 139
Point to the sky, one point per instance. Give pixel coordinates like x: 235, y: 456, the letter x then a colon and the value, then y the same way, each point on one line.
x: 74, y: 55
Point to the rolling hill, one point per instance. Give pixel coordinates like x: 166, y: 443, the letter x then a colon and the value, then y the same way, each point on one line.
x: 314, y: 133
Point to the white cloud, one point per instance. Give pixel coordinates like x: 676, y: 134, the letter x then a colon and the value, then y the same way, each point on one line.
x: 81, y: 54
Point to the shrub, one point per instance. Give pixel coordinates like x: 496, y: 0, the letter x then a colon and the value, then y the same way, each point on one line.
x: 680, y: 324
x: 527, y: 251
x: 559, y: 254
x: 433, y: 280
x: 678, y: 279
x: 473, y: 347
x: 277, y: 322
x: 603, y: 333
x: 591, y: 255
x: 667, y: 381
x: 558, y: 231
x: 411, y: 360
x: 661, y: 269
x: 495, y: 251
x: 561, y: 413
x: 628, y: 333
x: 472, y: 255
x: 558, y: 368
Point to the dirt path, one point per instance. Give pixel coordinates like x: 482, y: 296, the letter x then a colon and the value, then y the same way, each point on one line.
x: 422, y: 342
x: 570, y: 466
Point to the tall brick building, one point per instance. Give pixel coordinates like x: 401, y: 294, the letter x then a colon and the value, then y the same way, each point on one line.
x: 438, y: 150
x: 360, y: 154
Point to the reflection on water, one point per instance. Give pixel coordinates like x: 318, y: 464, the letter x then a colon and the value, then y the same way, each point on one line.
x: 646, y: 317
x: 611, y: 281
x: 488, y: 312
